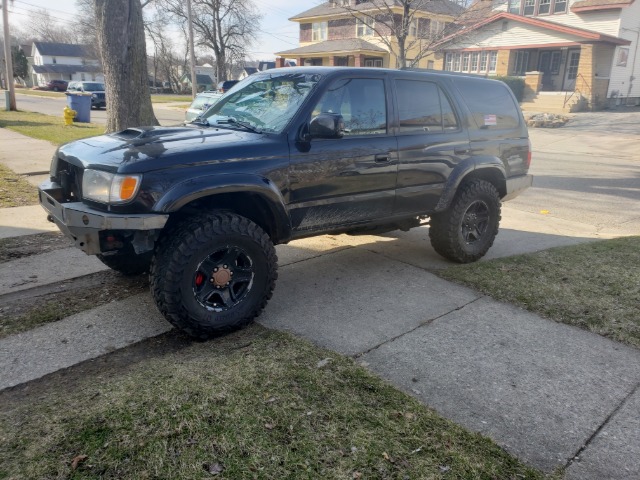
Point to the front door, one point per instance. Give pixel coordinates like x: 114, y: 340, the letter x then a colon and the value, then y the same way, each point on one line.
x: 571, y: 71
x: 352, y: 179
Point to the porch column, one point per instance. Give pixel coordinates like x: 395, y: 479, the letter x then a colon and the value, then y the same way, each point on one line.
x: 332, y: 61
x: 359, y: 60
x: 280, y: 62
x: 591, y: 88
x: 532, y: 84
x: 503, y: 66
x: 300, y: 61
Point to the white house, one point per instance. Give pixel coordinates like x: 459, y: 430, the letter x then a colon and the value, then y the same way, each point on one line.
x: 63, y: 61
x: 589, y: 48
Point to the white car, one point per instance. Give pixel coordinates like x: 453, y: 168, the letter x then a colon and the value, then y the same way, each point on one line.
x: 202, y: 102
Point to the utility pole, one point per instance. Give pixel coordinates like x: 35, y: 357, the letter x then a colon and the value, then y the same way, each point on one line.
x: 192, y: 60
x: 7, y: 56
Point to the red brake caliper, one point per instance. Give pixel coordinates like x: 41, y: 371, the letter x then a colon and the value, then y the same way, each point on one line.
x: 199, y: 279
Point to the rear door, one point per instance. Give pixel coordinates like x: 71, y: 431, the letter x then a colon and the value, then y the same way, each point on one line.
x: 431, y: 142
x: 352, y: 179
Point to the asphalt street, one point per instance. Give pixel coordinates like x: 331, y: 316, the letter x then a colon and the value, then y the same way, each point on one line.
x: 53, y: 106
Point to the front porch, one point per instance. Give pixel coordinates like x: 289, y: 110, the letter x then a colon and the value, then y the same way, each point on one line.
x: 339, y: 53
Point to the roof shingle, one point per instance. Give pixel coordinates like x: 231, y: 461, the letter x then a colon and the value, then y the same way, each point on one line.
x: 327, y: 9
x: 329, y: 46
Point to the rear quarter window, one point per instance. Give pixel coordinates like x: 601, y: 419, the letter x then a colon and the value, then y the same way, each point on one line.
x: 491, y: 103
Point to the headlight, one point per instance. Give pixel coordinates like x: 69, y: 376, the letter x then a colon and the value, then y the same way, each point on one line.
x: 105, y: 187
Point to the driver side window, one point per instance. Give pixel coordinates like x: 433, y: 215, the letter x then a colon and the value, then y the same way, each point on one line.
x: 360, y: 101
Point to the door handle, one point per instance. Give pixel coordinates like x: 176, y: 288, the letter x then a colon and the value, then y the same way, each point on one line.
x: 461, y: 151
x: 383, y: 157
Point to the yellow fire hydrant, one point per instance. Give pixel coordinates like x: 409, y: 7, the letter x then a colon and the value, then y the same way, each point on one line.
x: 68, y: 115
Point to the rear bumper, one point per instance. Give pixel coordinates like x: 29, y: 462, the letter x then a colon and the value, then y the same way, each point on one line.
x: 517, y: 185
x: 83, y: 224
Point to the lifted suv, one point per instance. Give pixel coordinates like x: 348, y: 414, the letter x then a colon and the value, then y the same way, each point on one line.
x: 291, y: 153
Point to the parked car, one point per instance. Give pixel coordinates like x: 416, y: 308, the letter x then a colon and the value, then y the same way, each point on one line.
x: 57, y: 85
x: 202, y: 101
x: 226, y: 85
x: 96, y: 89
x: 287, y: 154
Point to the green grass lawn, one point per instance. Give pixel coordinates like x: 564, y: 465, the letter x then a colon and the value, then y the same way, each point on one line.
x: 254, y: 404
x: 155, y: 98
x: 40, y: 93
x: 595, y: 286
x: 47, y: 127
x: 159, y: 98
x: 15, y: 191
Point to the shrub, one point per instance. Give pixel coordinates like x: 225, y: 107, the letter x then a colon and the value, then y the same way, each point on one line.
x: 516, y: 84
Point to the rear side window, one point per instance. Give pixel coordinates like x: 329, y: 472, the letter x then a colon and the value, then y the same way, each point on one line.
x: 423, y: 107
x: 491, y: 103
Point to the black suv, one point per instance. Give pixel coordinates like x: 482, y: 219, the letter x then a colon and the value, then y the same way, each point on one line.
x: 290, y: 153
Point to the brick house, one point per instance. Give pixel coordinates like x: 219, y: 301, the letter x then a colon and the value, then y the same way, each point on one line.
x: 583, y: 53
x: 335, y: 34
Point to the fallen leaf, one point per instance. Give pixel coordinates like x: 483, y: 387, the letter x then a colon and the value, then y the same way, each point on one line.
x: 388, y: 458
x: 357, y: 475
x: 215, y: 469
x: 77, y: 461
x: 444, y: 468
x: 323, y: 363
x: 409, y: 416
x: 269, y: 426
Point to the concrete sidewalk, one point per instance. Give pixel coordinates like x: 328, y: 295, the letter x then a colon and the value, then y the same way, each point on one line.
x: 553, y: 395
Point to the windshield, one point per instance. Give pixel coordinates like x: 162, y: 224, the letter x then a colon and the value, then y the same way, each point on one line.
x: 267, y: 102
x: 93, y: 87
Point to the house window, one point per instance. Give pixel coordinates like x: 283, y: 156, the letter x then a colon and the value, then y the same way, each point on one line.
x: 471, y: 62
x: 364, y: 27
x: 537, y: 7
x: 529, y: 7
x: 430, y: 64
x: 436, y: 28
x: 544, y: 7
x: 560, y: 6
x: 82, y: 77
x: 522, y: 62
x: 373, y: 62
x: 53, y: 60
x: 413, y: 28
x: 319, y: 31
x: 484, y: 61
x: 622, y: 57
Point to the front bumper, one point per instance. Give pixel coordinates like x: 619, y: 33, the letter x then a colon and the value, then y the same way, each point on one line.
x: 83, y: 224
x: 517, y: 185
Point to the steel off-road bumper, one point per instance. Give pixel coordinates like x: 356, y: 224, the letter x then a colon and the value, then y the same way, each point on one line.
x: 83, y: 224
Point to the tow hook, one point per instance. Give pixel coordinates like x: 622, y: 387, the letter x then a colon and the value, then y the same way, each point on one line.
x: 50, y: 218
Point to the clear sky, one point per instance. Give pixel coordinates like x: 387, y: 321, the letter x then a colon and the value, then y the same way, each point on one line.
x: 277, y: 33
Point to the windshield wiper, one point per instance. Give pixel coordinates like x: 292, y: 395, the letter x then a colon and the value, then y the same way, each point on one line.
x: 240, y: 123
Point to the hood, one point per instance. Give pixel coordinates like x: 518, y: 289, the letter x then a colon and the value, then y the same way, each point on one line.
x: 143, y: 149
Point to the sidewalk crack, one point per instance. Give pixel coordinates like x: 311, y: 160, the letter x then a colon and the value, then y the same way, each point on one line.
x: 624, y: 401
x: 422, y: 324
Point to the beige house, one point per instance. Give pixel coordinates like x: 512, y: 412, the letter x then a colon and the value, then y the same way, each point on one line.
x: 345, y: 33
x: 584, y: 50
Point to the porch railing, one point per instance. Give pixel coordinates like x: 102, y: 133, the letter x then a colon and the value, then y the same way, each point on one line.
x: 576, y: 91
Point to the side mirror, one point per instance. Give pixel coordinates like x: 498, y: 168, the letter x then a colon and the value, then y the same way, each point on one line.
x: 327, y: 125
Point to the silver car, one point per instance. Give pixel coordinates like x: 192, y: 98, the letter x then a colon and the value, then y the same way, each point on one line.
x: 202, y: 101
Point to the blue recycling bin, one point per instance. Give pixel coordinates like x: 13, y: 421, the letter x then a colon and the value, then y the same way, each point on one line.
x: 81, y: 103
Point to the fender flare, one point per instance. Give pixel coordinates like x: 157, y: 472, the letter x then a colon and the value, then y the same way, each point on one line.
x: 463, y: 170
x: 187, y: 191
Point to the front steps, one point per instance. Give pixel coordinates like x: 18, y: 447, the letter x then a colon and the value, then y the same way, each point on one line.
x: 553, y: 102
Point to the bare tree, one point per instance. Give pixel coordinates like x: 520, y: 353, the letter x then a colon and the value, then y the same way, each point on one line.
x: 168, y: 62
x: 402, y: 27
x: 44, y: 28
x: 227, y: 27
x: 122, y: 47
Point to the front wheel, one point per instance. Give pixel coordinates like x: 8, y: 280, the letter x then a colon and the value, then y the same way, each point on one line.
x: 466, y: 230
x: 213, y: 273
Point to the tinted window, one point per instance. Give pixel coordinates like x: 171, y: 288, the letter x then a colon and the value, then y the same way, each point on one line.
x: 360, y: 101
x: 423, y: 107
x: 491, y: 103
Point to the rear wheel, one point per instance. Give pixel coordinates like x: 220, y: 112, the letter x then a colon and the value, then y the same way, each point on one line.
x: 213, y: 273
x: 466, y: 230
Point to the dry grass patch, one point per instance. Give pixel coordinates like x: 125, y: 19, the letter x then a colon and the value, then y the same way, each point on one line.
x: 595, y: 286
x: 15, y: 191
x: 170, y: 98
x: 254, y: 404
x: 47, y: 127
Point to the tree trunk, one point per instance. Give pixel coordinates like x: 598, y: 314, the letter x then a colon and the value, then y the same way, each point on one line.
x: 124, y: 62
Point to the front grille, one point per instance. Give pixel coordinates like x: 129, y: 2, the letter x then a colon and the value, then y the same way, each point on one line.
x: 70, y: 178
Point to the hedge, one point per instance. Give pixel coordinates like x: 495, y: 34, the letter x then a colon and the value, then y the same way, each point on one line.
x: 516, y: 84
